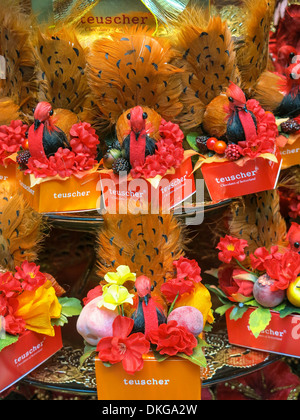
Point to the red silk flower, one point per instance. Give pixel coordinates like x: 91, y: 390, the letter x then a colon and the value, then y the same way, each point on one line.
x: 123, y: 347
x: 284, y: 270
x: 188, y: 273
x: 175, y: 287
x: 172, y: 339
x: 169, y: 153
x: 232, y: 248
x: 30, y: 276
x: 9, y: 286
x: 261, y: 255
x: 186, y: 268
x: 93, y: 294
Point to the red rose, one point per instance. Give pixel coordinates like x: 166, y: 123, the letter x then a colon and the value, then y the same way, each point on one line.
x: 30, y: 276
x: 123, y: 347
x: 232, y: 248
x: 233, y: 282
x: 172, y: 339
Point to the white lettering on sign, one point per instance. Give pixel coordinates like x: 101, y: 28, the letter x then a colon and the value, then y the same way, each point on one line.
x: 296, y: 329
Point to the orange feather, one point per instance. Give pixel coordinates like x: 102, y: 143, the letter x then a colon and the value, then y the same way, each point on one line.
x: 206, y: 53
x: 132, y: 69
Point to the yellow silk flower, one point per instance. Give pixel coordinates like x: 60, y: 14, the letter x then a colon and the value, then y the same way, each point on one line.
x: 120, y: 277
x: 38, y: 307
x: 114, y: 296
x: 200, y: 299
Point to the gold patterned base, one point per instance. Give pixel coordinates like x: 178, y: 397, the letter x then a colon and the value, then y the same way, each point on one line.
x: 63, y: 372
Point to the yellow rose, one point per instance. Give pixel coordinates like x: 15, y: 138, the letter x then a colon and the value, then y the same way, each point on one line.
x: 38, y: 307
x: 114, y: 296
x: 200, y: 299
x: 122, y: 275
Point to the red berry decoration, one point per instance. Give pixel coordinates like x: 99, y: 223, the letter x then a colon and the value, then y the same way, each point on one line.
x: 220, y: 147
x: 210, y: 144
x: 233, y: 152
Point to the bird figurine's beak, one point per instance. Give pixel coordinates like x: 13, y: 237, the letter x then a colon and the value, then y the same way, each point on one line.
x: 37, y: 123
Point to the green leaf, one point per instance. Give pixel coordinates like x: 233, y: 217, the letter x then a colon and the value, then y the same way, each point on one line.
x: 252, y: 303
x: 70, y: 306
x: 160, y: 357
x: 223, y: 309
x: 214, y: 272
x: 289, y: 310
x: 238, y: 312
x: 89, y: 351
x: 191, y: 139
x: 259, y: 320
x: 7, y: 341
x: 198, y: 356
x: 216, y: 291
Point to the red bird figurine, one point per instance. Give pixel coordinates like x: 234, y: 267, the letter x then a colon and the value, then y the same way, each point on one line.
x: 44, y: 138
x: 241, y: 124
x: 138, y: 144
x: 148, y: 315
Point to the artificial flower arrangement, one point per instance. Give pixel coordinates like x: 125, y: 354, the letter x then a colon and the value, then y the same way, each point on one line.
x: 61, y: 164
x: 168, y: 155
x: 32, y: 301
x: 77, y: 159
x: 124, y: 319
x: 259, y: 144
x: 12, y: 140
x: 268, y: 284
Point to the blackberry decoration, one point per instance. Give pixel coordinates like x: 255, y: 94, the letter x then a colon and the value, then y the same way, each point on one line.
x: 290, y: 127
x: 202, y: 144
x: 233, y: 152
x: 22, y: 159
x: 121, y: 165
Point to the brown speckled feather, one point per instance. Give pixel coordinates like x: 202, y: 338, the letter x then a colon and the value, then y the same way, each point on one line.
x: 21, y: 229
x: 130, y: 69
x: 148, y: 244
x: 253, y: 46
x: 206, y: 53
x: 62, y: 62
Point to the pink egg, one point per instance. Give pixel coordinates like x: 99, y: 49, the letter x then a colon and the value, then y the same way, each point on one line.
x: 94, y: 323
x: 188, y: 317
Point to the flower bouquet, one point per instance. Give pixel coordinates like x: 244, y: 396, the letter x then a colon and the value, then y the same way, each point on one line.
x: 62, y: 164
x: 257, y: 294
x: 126, y: 321
x: 12, y: 140
x: 230, y: 163
x: 31, y: 311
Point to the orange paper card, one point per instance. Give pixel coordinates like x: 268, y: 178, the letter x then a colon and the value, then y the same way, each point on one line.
x: 174, y: 379
x: 55, y: 196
